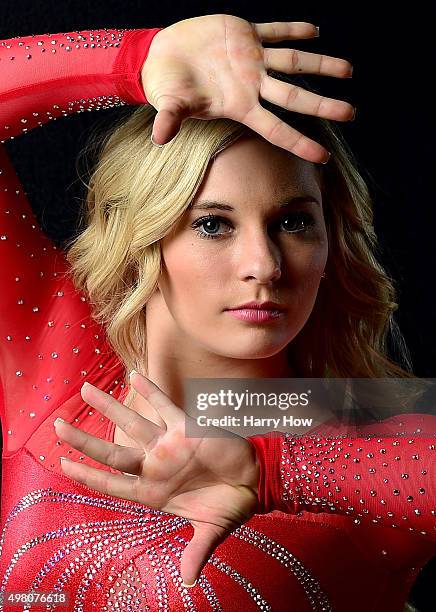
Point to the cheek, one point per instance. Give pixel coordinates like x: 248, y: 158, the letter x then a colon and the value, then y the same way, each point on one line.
x: 306, y: 268
x: 189, y: 274
x: 307, y: 262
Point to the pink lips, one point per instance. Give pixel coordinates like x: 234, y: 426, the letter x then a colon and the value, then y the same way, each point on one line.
x: 256, y: 315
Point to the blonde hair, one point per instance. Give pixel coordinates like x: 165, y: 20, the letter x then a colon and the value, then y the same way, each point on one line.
x: 136, y: 194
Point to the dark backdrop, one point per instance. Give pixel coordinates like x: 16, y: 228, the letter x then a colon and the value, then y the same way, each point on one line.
x: 393, y: 135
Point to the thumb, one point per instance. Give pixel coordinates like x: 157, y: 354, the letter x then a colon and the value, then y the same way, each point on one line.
x: 168, y: 121
x: 195, y: 556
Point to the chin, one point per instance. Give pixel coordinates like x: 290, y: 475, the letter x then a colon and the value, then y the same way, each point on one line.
x: 252, y: 350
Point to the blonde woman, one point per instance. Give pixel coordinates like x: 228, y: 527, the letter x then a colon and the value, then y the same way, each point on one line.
x: 237, y: 207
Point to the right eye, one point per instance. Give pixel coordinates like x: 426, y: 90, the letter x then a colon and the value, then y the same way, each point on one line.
x: 210, y: 225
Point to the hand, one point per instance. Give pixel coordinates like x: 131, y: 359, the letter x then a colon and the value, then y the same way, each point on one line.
x: 215, y: 66
x: 210, y: 481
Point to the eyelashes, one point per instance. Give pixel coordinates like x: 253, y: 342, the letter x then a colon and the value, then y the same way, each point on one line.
x: 213, y: 220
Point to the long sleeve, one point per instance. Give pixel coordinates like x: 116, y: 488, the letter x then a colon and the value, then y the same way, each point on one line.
x: 42, y: 78
x: 389, y: 480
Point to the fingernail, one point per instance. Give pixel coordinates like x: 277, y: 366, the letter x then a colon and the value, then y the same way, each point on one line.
x: 317, y: 30
x: 351, y: 73
x: 327, y: 160
x: 189, y: 586
x: 354, y: 115
x: 131, y: 374
x: 58, y: 420
x: 64, y: 459
x: 86, y: 384
x: 155, y: 143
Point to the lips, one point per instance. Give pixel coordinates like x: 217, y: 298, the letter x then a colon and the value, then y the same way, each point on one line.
x: 256, y: 315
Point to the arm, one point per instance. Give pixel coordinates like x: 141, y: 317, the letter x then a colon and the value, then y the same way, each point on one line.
x: 44, y: 77
x: 388, y: 480
x: 214, y: 481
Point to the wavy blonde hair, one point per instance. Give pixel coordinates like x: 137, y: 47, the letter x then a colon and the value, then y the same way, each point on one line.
x: 137, y: 192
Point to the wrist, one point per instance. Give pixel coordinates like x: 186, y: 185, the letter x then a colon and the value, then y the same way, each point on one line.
x: 130, y: 61
x: 268, y: 456
x: 154, y: 52
x: 251, y: 475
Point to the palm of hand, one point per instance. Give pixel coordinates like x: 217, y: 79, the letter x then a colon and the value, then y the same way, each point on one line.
x: 211, y: 481
x: 215, y: 66
x: 200, y: 72
x: 197, y: 478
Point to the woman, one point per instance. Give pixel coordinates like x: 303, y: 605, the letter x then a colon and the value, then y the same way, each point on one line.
x: 138, y: 249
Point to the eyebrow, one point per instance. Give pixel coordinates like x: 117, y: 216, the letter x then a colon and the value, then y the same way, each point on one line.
x: 209, y: 204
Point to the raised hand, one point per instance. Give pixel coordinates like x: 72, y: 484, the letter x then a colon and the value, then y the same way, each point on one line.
x: 215, y: 66
x: 210, y: 481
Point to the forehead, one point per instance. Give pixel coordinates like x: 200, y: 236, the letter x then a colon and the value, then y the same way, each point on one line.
x: 253, y: 166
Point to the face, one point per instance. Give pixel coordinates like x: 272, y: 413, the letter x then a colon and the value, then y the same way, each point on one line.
x: 269, y: 243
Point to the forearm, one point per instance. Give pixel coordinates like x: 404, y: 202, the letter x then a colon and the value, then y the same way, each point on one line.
x: 43, y: 77
x: 390, y: 481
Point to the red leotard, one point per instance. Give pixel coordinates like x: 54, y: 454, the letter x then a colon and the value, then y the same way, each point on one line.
x: 348, y: 522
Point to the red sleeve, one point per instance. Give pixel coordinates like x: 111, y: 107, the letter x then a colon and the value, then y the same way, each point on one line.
x: 389, y: 480
x: 47, y: 76
x: 42, y: 78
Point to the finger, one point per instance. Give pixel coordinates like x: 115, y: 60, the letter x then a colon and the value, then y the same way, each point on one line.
x: 123, y: 486
x: 300, y: 100
x: 197, y: 553
x: 151, y: 414
x: 168, y: 120
x: 134, y: 425
x: 122, y: 458
x: 170, y: 413
x: 292, y: 61
x: 285, y: 30
x: 282, y: 135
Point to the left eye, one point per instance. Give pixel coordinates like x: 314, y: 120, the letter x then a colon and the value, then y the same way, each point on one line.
x: 299, y: 222
x: 301, y: 218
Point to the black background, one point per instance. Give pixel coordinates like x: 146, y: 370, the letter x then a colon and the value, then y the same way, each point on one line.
x: 392, y: 49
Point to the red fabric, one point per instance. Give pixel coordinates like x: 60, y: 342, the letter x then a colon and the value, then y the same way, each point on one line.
x: 389, y: 480
x: 58, y: 535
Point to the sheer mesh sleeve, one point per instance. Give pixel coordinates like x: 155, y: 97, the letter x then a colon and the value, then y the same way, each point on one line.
x: 47, y: 76
x: 386, y: 480
x: 43, y: 78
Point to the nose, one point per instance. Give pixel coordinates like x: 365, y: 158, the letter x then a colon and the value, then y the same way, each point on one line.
x: 259, y: 257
